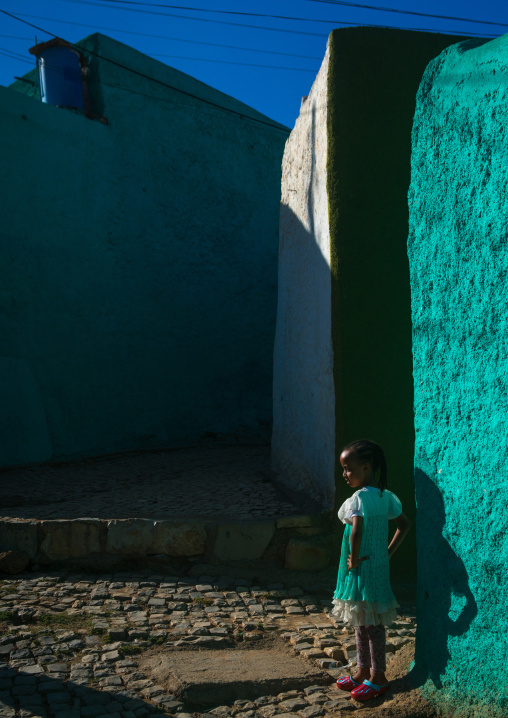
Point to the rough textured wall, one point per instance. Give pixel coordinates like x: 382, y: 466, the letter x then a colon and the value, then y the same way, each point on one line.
x: 138, y: 265
x: 372, y: 84
x: 303, y: 394
x: 459, y: 277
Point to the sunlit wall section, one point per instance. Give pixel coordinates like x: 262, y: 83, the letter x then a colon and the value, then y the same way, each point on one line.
x: 303, y: 394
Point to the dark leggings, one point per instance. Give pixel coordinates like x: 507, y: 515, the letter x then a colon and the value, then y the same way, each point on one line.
x: 371, y: 647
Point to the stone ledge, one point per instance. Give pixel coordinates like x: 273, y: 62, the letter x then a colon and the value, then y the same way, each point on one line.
x: 242, y: 541
x: 312, y: 521
x: 47, y: 541
x: 71, y: 539
x: 19, y: 536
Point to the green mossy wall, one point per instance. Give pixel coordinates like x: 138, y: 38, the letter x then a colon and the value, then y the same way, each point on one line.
x: 372, y: 84
x: 458, y: 250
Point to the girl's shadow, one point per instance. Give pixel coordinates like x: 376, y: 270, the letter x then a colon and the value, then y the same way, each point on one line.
x: 446, y: 606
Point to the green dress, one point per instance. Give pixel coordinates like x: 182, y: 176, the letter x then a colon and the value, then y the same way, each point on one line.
x: 364, y: 596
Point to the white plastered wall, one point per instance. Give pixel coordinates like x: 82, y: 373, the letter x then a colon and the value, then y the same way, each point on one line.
x: 303, y: 443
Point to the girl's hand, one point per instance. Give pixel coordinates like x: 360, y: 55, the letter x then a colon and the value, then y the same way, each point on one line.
x: 403, y: 526
x: 354, y: 564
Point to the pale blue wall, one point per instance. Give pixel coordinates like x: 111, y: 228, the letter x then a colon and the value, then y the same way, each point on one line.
x: 458, y: 250
x: 138, y: 266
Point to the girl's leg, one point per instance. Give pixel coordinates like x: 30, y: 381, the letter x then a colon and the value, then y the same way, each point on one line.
x: 377, y: 641
x: 363, y: 654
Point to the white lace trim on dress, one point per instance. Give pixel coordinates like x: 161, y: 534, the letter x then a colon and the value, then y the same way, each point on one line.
x: 365, y: 613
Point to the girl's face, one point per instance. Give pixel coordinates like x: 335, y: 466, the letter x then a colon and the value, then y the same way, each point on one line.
x: 355, y: 473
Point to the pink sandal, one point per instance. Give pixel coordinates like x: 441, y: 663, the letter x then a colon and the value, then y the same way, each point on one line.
x: 368, y: 690
x: 346, y: 683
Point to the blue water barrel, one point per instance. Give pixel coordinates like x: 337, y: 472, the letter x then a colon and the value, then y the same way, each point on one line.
x: 60, y: 72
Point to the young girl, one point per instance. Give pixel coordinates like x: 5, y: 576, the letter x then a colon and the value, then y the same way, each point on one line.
x: 363, y: 597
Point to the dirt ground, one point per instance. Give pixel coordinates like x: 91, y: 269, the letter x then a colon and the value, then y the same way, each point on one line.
x: 218, y: 677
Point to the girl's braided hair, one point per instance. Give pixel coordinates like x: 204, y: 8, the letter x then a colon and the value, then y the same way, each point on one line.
x: 370, y: 452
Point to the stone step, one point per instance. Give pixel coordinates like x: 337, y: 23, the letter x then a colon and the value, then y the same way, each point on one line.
x: 210, y: 678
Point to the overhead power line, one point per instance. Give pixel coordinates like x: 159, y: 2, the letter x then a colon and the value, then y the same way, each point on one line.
x: 197, y: 9
x: 15, y: 56
x: 333, y: 22
x: 290, y: 17
x: 17, y: 37
x: 18, y: 56
x: 202, y: 19
x: 237, y: 113
x: 164, y: 37
x: 396, y: 10
x: 280, y: 17
x: 246, y: 64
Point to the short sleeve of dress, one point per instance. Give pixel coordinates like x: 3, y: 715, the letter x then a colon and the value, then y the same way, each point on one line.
x: 394, y: 506
x: 351, y: 507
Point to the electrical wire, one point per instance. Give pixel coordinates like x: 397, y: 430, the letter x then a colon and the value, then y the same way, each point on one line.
x: 203, y: 19
x: 17, y: 37
x: 196, y: 9
x: 204, y: 59
x: 246, y: 64
x: 15, y: 56
x: 237, y: 113
x: 18, y: 56
x: 334, y: 23
x: 163, y: 37
x: 276, y: 17
x: 259, y: 27
x: 289, y: 17
x: 344, y: 3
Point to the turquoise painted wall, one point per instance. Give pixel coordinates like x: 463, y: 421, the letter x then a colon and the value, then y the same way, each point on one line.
x: 138, y: 265
x: 458, y: 253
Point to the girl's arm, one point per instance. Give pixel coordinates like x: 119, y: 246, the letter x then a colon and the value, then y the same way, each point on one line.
x: 403, y: 526
x: 356, y: 541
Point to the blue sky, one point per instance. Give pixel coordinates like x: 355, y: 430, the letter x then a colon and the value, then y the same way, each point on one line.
x: 269, y: 67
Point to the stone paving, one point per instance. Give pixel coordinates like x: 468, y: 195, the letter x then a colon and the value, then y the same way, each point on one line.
x: 207, y: 482
x: 71, y: 645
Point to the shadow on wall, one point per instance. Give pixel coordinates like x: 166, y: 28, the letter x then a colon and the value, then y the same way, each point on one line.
x: 446, y: 605
x: 303, y: 442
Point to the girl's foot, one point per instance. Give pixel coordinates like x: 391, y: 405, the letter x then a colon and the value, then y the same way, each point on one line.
x: 361, y: 674
x: 379, y: 679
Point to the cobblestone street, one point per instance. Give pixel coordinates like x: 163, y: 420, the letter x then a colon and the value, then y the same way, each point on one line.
x: 71, y: 645
x: 205, y: 481
x: 79, y: 645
